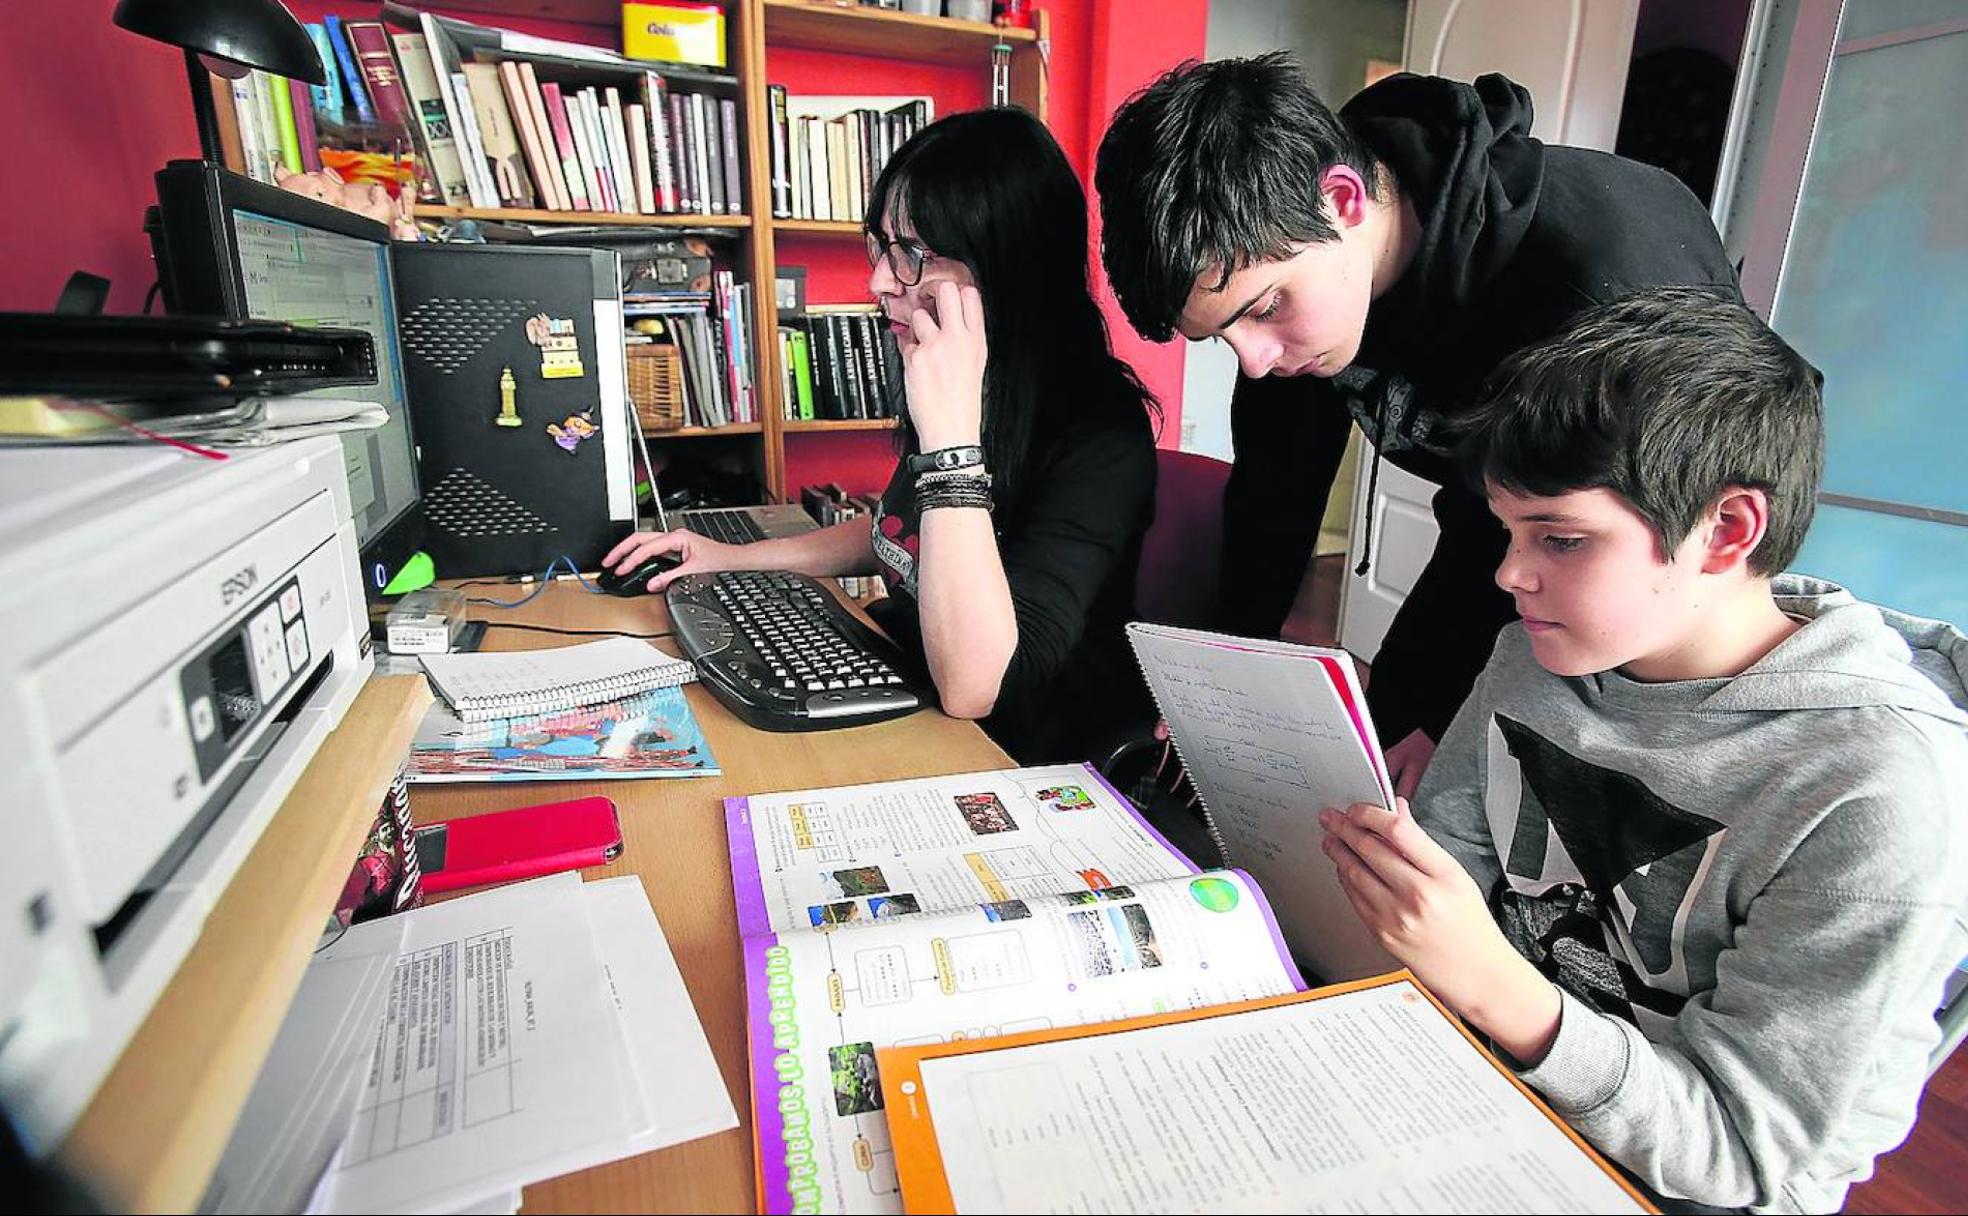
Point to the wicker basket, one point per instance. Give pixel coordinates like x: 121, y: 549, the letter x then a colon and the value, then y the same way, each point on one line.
x: 656, y: 385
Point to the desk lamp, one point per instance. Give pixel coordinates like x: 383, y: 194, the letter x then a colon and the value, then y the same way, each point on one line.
x: 229, y: 38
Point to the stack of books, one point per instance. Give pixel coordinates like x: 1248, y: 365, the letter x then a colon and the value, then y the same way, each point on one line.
x: 828, y: 151
x: 840, y: 361
x: 712, y: 330
x: 490, y: 118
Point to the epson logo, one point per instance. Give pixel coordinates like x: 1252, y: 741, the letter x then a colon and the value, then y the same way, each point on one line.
x: 238, y: 585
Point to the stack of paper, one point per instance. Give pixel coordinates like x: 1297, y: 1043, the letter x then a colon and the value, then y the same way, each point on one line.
x: 525, y: 1032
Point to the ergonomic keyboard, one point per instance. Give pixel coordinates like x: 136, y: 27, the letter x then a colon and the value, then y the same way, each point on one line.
x: 783, y: 654
x: 732, y: 525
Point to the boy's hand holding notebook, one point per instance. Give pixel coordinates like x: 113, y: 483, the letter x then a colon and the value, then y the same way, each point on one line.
x: 1272, y: 733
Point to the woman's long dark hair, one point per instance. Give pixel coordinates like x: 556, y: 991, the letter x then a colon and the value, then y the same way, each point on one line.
x: 991, y: 189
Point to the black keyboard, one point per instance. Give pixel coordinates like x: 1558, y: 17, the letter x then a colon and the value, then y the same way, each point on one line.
x: 783, y: 654
x: 732, y: 525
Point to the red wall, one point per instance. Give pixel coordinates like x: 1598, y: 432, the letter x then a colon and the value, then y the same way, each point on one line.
x: 91, y: 112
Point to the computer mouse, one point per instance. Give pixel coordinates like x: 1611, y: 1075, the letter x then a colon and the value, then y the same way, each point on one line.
x: 636, y: 581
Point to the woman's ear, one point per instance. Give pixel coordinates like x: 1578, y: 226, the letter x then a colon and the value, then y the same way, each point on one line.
x: 1733, y: 527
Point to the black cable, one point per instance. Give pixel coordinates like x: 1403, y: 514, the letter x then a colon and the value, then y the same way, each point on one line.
x: 577, y: 633
x: 150, y: 297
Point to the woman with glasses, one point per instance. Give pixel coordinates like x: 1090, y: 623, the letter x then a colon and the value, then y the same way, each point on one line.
x: 1009, y: 533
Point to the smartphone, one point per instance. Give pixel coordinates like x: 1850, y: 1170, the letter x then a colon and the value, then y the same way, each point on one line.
x: 522, y: 843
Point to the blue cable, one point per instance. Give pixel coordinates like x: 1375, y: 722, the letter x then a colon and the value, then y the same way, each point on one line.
x: 546, y: 580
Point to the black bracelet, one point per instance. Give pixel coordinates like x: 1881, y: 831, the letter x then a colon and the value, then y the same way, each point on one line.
x: 935, y: 497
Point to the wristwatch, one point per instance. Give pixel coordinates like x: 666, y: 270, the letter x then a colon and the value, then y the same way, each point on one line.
x: 944, y: 460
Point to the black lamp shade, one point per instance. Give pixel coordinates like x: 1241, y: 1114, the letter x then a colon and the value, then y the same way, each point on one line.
x: 256, y: 33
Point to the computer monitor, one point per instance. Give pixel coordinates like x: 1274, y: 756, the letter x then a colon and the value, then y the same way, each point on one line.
x: 230, y: 246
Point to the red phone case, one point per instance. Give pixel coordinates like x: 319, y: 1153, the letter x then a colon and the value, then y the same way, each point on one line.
x: 522, y: 843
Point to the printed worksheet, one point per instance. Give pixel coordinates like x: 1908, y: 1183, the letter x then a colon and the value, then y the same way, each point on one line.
x: 1364, y: 1101
x: 877, y: 918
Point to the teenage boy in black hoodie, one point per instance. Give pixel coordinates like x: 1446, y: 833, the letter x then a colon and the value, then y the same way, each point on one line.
x: 1371, y: 267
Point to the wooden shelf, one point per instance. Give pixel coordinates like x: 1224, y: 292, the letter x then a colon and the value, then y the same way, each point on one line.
x: 817, y: 227
x: 843, y: 25
x: 810, y: 425
x: 699, y: 432
x: 533, y: 215
x: 155, y: 1129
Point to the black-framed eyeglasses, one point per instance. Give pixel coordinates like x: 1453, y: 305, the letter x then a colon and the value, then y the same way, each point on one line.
x: 906, y: 258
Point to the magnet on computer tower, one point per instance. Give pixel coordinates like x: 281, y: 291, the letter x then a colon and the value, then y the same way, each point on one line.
x: 508, y: 400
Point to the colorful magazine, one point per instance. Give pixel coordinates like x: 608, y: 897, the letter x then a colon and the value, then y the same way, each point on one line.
x: 652, y: 734
x: 951, y: 908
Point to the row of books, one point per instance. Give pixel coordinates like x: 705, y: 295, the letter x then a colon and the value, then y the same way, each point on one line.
x: 466, y: 105
x: 828, y: 151
x: 828, y: 504
x: 841, y: 362
x: 712, y: 331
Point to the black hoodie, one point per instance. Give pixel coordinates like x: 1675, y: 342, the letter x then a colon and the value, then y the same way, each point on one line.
x: 1517, y: 238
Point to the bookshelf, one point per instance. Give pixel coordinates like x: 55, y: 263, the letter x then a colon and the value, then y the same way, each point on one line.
x: 901, y: 43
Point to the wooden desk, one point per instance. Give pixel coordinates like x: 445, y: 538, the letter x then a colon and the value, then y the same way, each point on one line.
x: 673, y: 836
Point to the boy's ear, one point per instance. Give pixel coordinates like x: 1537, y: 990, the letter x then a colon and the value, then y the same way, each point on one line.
x: 1734, y: 525
x: 1346, y: 195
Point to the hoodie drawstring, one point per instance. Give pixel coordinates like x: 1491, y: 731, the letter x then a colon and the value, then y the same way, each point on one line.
x: 1373, y: 487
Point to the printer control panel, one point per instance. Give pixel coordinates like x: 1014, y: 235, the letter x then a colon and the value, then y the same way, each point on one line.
x: 228, y: 687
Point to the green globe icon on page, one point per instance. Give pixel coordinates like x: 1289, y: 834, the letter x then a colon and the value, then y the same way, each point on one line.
x: 1216, y: 894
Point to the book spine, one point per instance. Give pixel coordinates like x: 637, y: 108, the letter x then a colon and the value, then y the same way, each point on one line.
x: 379, y: 76
x: 263, y: 85
x: 570, y: 157
x: 893, y: 400
x: 436, y: 139
x: 734, y: 203
x: 328, y: 96
x: 700, y: 140
x: 498, y: 134
x: 550, y: 147
x: 442, y: 55
x: 871, y: 369
x: 587, y: 139
x: 782, y: 167
x: 796, y: 152
x: 252, y: 150
x: 618, y: 134
x: 638, y: 136
x: 350, y: 73
x: 474, y: 142
x: 686, y: 160
x: 820, y: 343
x: 662, y: 142
x: 856, y: 369
x: 514, y: 87
x: 714, y: 154
x: 837, y: 169
x: 283, y: 122
x: 304, y: 129
x: 803, y: 373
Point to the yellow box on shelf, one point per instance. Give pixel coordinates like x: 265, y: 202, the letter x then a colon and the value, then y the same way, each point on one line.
x: 674, y: 33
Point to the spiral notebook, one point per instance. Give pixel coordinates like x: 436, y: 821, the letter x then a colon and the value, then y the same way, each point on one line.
x: 516, y: 683
x: 1272, y: 733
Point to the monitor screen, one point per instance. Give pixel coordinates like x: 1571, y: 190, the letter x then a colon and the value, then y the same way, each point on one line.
x: 312, y: 276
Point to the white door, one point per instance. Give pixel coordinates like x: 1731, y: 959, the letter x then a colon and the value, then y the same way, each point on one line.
x: 1572, y: 55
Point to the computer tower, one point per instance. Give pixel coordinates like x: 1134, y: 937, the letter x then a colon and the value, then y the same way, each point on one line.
x: 519, y: 392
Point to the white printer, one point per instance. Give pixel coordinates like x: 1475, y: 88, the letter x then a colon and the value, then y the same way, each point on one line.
x: 177, y: 636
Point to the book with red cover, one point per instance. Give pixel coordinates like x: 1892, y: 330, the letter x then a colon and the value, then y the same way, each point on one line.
x: 563, y: 133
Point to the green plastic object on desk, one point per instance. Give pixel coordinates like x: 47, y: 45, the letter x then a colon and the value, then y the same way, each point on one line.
x: 418, y: 572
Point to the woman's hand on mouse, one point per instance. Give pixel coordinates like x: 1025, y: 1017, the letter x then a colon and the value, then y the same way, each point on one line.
x: 943, y: 370
x: 698, y: 554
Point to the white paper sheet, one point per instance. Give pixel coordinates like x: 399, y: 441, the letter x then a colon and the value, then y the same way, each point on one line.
x: 294, y: 1119
x: 675, y: 1074
x: 497, y: 1063
x: 1370, y: 1101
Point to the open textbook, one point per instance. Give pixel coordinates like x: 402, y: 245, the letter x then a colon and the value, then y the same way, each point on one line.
x: 1272, y: 733
x: 1366, y: 1097
x: 953, y: 908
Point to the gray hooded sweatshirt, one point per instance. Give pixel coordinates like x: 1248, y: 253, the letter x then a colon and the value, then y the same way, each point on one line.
x: 1749, y: 891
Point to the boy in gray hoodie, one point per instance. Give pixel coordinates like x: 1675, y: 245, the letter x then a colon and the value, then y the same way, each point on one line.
x: 1694, y: 854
